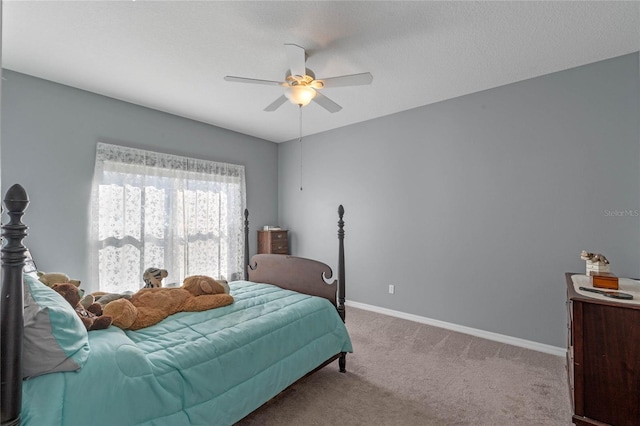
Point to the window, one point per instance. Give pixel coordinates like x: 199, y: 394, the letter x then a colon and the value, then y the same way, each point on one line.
x: 157, y: 210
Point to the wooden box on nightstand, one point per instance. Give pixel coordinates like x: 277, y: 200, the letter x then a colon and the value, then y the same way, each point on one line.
x: 604, y: 280
x: 273, y: 242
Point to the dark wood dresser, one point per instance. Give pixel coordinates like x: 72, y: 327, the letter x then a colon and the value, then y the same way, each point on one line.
x: 603, y: 359
x: 273, y: 242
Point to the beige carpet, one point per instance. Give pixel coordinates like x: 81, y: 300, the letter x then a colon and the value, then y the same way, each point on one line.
x: 406, y: 373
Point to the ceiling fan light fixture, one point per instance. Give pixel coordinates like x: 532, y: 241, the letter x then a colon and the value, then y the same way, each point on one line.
x: 301, y: 86
x: 300, y: 95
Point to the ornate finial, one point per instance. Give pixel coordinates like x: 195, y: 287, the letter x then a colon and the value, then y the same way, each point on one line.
x: 340, y: 222
x: 246, y: 214
x: 16, y: 202
x: 16, y: 199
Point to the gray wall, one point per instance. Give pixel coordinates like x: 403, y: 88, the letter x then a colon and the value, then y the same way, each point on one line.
x: 475, y: 207
x: 49, y: 135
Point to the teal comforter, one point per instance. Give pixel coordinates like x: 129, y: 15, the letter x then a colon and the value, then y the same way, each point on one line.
x: 203, y: 368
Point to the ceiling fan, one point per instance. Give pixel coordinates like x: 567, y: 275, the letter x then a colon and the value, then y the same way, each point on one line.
x: 301, y: 84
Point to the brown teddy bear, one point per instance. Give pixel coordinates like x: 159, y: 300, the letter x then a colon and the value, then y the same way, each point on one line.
x: 91, y: 317
x: 149, y: 306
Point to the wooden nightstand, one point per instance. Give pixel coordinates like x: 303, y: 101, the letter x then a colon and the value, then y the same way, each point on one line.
x: 273, y: 242
x: 602, y: 359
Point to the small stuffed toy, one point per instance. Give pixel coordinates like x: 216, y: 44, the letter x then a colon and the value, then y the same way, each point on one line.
x: 594, y: 257
x: 149, y: 306
x: 152, y: 277
x: 103, y: 298
x: 91, y: 317
x: 51, y: 278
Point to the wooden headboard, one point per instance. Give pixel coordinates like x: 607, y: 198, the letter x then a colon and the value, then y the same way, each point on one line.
x: 303, y: 275
x: 294, y: 273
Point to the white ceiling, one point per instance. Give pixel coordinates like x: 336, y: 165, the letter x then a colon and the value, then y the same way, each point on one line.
x: 172, y: 55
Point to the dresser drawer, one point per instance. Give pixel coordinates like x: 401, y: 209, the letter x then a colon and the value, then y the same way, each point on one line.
x: 279, y: 244
x: 280, y: 248
x: 278, y: 235
x: 273, y: 242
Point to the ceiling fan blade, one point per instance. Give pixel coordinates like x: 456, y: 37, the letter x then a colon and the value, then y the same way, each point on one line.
x: 253, y: 81
x: 326, y: 103
x: 348, y: 80
x: 276, y: 104
x: 296, y: 59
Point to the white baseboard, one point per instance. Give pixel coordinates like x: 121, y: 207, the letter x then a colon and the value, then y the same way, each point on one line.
x: 527, y: 344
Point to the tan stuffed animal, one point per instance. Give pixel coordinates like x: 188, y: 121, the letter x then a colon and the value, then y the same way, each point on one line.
x: 149, y: 306
x: 51, y: 278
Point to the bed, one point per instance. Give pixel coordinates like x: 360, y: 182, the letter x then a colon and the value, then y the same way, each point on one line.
x: 211, y: 367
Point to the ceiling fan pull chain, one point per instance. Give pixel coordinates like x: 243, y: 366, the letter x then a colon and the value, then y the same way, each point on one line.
x: 300, y: 143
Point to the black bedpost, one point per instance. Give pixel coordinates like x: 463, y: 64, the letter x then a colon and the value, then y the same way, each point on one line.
x: 246, y: 244
x: 11, y: 307
x: 342, y: 361
x: 341, y: 273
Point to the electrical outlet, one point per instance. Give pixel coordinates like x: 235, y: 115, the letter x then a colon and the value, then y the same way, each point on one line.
x: 392, y: 289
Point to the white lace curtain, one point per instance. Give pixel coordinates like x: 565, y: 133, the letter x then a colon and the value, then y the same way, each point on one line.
x: 157, y: 210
